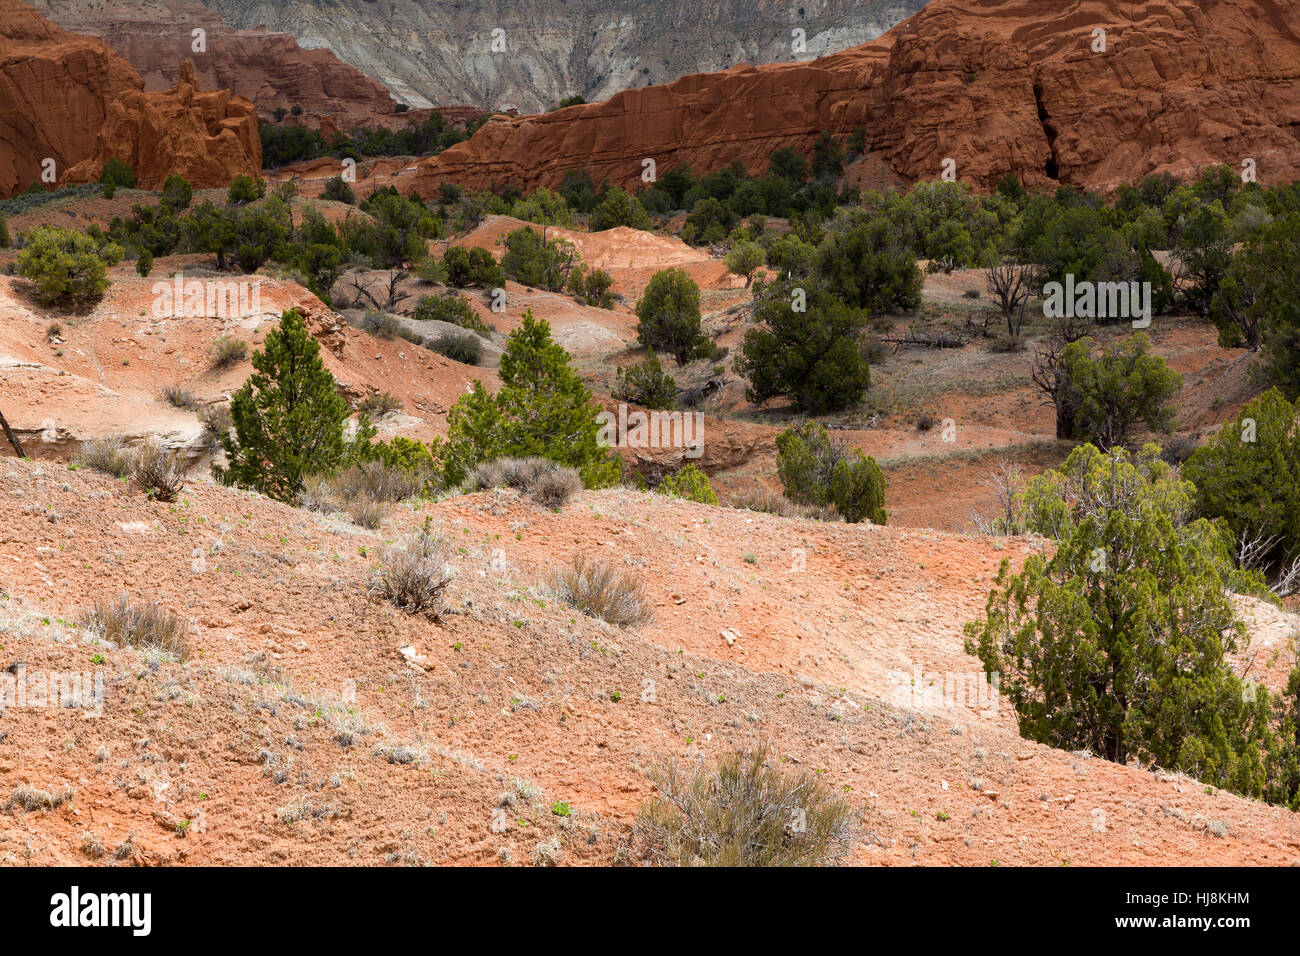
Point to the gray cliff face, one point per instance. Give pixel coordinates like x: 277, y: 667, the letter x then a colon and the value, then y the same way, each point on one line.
x: 440, y: 52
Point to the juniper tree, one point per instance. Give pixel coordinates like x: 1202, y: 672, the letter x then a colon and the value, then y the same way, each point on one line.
x: 669, y: 316
x: 288, y: 416
x: 542, y: 410
x: 818, y: 470
x: 1120, y: 641
x: 805, y: 346
x: 1249, y: 474
x: 1106, y: 395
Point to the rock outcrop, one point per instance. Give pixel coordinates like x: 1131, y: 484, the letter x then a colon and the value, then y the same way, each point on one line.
x: 271, y: 69
x: 996, y: 86
x: 431, y: 52
x: 72, y: 100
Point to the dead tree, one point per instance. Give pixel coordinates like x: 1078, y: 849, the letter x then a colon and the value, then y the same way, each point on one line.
x: 392, y: 297
x: 1049, y: 375
x: 1009, y: 282
x: 932, y: 340
x: 13, y: 439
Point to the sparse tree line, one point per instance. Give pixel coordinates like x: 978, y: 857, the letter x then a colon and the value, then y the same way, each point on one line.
x: 1230, y: 257
x: 290, y: 143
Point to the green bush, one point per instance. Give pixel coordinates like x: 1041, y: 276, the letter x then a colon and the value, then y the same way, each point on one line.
x: 709, y: 221
x: 591, y: 288
x: 117, y: 173
x: 464, y: 348
x: 617, y: 208
x: 578, y: 190
x: 532, y: 261
x: 805, y: 346
x: 474, y: 266
x: 744, y: 259
x: 828, y: 157
x: 541, y: 410
x: 669, y: 316
x: 144, y: 263
x: 1260, y: 292
x: 1119, y: 643
x: 806, y: 457
x: 1073, y: 240
x: 818, y: 470
x: 319, y: 252
x: 453, y: 309
x: 65, y: 264
x: 858, y: 489
x: 288, y: 416
x: 866, y: 267
x: 746, y: 812
x: 1249, y: 474
x: 260, y: 233
x: 1106, y: 395
x: 543, y: 207
x: 4, y: 233
x: 395, y: 232
x: 430, y: 270
x: 789, y: 255
x: 243, y: 189
x: 177, y: 193
x: 646, y: 384
x: 338, y: 190
x: 689, y: 483
x: 1205, y: 251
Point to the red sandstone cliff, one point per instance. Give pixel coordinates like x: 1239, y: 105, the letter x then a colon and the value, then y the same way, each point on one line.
x: 271, y: 69
x: 996, y: 85
x: 70, y: 98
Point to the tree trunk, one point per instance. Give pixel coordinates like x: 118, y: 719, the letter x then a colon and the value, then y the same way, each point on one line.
x: 13, y: 439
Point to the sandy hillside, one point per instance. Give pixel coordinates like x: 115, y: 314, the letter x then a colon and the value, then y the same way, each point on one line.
x: 273, y: 738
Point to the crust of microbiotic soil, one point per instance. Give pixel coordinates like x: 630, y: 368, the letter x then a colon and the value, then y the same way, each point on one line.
x: 807, y: 634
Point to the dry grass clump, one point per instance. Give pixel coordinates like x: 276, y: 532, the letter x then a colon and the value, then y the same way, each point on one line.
x: 743, y: 813
x: 380, y: 404
x: 374, y: 479
x: 363, y: 490
x: 225, y: 352
x: 769, y: 502
x: 31, y: 798
x: 158, y: 471
x: 416, y: 754
x: 548, y: 483
x: 217, y: 420
x: 180, y: 397
x: 367, y: 512
x: 145, y: 625
x: 598, y: 589
x: 93, y: 846
x: 554, y: 489
x: 105, y: 454
x: 154, y: 468
x: 414, y: 575
x: 317, y: 494
x: 765, y: 501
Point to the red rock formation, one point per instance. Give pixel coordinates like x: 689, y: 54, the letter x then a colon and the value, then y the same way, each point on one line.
x: 71, y: 99
x: 995, y: 85
x: 271, y: 69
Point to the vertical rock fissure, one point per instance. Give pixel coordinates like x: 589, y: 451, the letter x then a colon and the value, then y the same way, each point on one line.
x: 1051, y: 168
